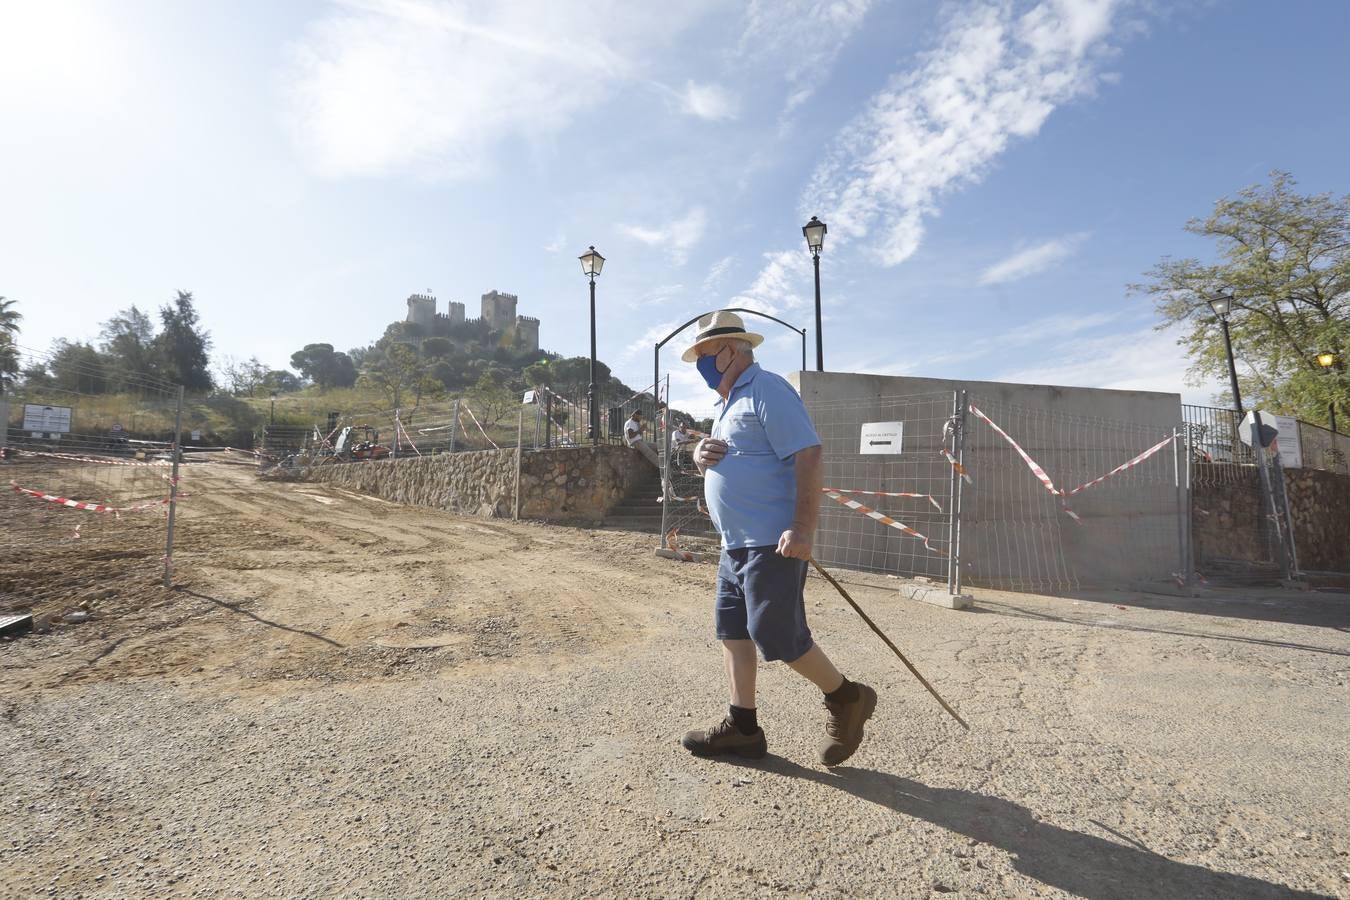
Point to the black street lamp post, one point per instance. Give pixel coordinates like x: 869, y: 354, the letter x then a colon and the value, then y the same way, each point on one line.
x: 1221, y: 305
x: 591, y: 264
x: 1328, y: 363
x: 814, y: 232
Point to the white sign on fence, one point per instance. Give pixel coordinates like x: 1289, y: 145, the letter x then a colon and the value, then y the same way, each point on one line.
x: 882, y: 438
x: 1286, y: 442
x: 46, y: 418
x: 196, y: 435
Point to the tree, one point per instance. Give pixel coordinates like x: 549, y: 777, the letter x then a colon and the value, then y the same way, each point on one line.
x: 281, y: 381
x: 324, y: 367
x: 9, y: 366
x: 490, y: 398
x: 9, y: 317
x: 436, y: 347
x: 246, y: 378
x: 78, y: 368
x: 399, y: 376
x: 9, y: 350
x: 183, y: 346
x: 1284, y: 258
x: 128, y: 344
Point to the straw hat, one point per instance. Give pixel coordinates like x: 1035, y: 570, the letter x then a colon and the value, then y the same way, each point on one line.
x: 717, y: 326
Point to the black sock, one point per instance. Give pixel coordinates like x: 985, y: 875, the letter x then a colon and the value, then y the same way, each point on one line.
x: 745, y: 720
x: 845, y: 693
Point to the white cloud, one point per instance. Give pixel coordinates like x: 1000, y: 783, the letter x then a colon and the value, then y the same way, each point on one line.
x: 1033, y: 259
x: 1141, y: 360
x: 994, y: 76
x: 376, y: 87
x: 716, y: 273
x: 557, y: 244
x: 781, y: 284
x: 709, y: 101
x: 804, y: 37
x: 677, y: 238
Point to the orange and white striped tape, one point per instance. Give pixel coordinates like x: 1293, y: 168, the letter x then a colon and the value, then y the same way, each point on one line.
x: 883, y: 519
x: 1034, y: 466
x: 91, y: 507
x: 465, y: 407
x: 1126, y: 465
x: 96, y: 459
x: 928, y: 497
x: 1044, y: 478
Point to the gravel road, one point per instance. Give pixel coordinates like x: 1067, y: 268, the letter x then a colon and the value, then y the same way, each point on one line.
x: 349, y: 697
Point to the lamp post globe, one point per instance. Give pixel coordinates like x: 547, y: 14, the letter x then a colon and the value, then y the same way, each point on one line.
x: 1327, y: 360
x: 814, y: 232
x: 591, y: 265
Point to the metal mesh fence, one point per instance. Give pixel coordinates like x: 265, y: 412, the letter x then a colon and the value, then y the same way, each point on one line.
x: 1240, y: 511
x: 89, y: 470
x: 1061, y: 501
x: 910, y: 488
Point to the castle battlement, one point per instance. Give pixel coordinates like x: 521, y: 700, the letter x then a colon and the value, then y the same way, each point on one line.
x: 498, y: 314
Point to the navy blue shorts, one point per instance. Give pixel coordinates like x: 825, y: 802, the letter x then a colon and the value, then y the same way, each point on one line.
x: 759, y: 598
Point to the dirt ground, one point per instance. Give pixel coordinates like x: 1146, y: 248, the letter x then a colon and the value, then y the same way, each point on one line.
x: 349, y: 697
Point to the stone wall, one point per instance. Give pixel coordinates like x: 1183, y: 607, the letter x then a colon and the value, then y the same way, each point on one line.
x: 1319, y: 503
x: 577, y: 485
x: 1228, y: 516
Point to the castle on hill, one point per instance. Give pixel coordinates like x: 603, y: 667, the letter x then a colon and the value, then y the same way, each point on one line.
x: 498, y: 315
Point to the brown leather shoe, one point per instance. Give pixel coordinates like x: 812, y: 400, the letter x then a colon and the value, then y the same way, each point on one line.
x: 844, y: 730
x: 725, y: 737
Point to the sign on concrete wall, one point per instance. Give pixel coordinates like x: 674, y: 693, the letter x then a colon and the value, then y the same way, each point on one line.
x: 46, y: 418
x: 880, y: 438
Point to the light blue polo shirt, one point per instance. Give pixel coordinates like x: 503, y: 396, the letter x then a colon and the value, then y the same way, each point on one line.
x: 752, y: 491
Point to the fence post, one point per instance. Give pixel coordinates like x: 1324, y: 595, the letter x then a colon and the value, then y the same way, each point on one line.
x: 520, y: 455
x: 454, y: 424
x: 960, y: 401
x: 665, y: 464
x: 1182, y: 510
x: 173, y: 490
x: 1268, y: 495
x: 1282, y: 495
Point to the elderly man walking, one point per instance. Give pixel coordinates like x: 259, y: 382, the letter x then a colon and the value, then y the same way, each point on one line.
x: 763, y: 476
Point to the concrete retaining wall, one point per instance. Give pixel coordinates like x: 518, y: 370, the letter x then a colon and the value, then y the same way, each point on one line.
x: 574, y: 485
x: 1014, y: 533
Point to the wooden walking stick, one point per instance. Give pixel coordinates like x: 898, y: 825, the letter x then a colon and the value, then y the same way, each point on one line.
x: 881, y: 634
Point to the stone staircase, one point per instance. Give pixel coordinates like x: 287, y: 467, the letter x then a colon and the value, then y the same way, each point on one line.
x: 641, y: 510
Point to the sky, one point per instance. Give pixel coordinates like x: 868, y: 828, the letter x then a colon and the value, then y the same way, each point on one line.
x: 993, y: 174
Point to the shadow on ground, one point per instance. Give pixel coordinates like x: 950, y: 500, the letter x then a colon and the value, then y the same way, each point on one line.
x: 1081, y: 864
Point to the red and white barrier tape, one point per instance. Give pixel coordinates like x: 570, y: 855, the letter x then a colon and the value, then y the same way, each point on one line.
x: 960, y: 469
x: 684, y: 555
x: 256, y: 453
x: 928, y: 497
x: 1034, y: 466
x: 1123, y: 466
x: 1050, y: 485
x: 91, y: 507
x: 96, y: 459
x: 465, y: 407
x: 883, y: 519
x: 398, y: 427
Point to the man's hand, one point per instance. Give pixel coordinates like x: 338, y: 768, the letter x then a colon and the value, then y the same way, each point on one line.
x: 709, y: 453
x: 795, y: 544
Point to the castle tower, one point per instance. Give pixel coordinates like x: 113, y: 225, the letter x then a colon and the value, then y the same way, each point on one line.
x: 455, y: 311
x: 527, y: 330
x: 421, y: 310
x: 499, y: 310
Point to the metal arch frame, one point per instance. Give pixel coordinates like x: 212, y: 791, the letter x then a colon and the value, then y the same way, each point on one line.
x: 656, y: 387
x: 656, y: 354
